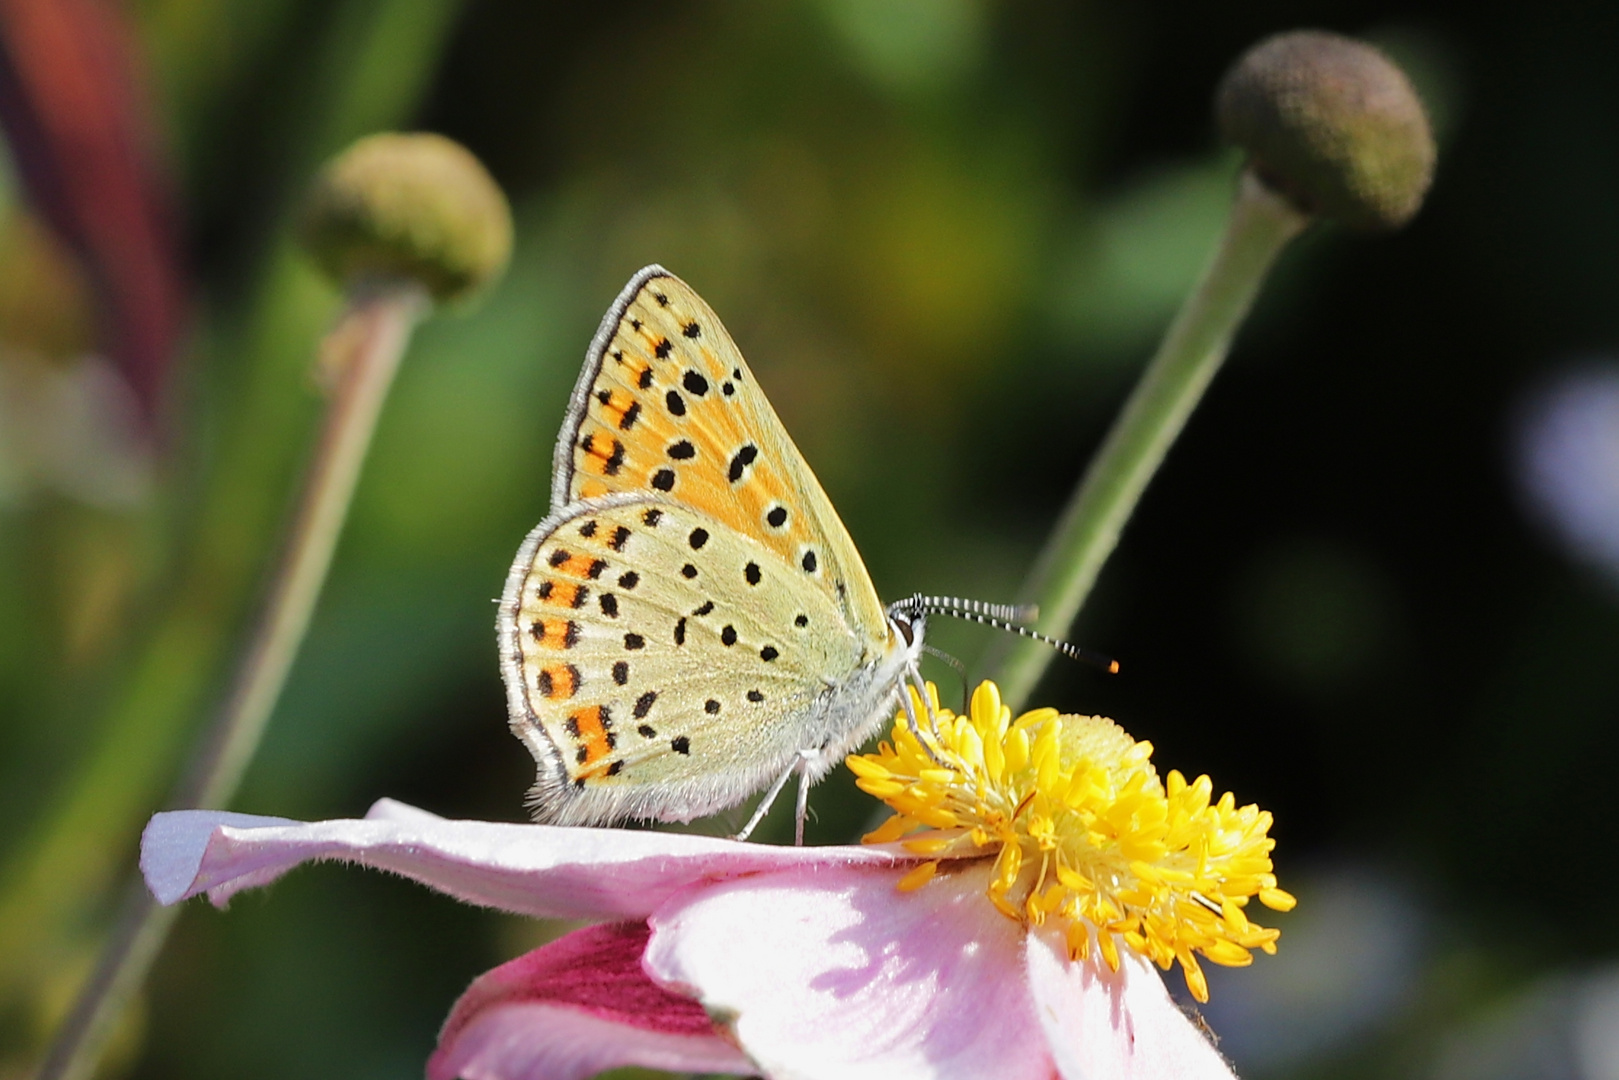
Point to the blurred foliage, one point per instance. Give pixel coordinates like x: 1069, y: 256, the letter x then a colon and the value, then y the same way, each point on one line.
x: 945, y: 234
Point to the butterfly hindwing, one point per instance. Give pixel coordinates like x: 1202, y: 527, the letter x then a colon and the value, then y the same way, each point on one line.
x: 666, y: 406
x: 664, y: 694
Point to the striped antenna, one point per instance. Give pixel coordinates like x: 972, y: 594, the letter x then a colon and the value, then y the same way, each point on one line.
x: 1002, y: 617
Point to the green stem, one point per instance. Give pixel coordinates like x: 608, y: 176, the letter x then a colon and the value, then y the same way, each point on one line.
x: 1260, y: 226
x: 361, y: 355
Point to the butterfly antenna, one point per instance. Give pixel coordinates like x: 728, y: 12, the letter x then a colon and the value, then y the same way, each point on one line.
x: 961, y: 669
x: 955, y: 605
x: 1002, y: 617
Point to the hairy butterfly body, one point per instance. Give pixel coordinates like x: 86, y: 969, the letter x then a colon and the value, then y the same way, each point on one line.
x: 692, y: 621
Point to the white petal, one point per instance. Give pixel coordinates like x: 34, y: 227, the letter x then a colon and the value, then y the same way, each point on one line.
x: 1106, y: 1025
x: 832, y: 973
x: 539, y: 870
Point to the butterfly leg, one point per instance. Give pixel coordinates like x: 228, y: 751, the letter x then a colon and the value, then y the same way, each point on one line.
x: 914, y: 674
x: 910, y: 715
x: 803, y: 799
x: 766, y: 802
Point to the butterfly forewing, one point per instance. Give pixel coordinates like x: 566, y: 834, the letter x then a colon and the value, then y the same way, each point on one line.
x: 663, y: 694
x: 666, y: 406
x: 692, y: 620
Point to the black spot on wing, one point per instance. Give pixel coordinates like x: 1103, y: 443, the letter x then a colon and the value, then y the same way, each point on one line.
x: 643, y: 704
x: 694, y: 383
x: 634, y: 641
x: 692, y: 330
x: 674, y: 403
x: 628, y: 580
x: 768, y: 653
x: 664, y: 479
x: 751, y: 573
x: 621, y: 672
x: 740, y: 462
x: 661, y: 350
x: 680, y: 744
x: 682, y: 450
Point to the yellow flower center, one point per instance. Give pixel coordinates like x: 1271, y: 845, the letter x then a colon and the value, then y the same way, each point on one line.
x: 1081, y: 829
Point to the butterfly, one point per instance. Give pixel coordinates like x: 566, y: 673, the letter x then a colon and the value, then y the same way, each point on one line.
x: 692, y: 622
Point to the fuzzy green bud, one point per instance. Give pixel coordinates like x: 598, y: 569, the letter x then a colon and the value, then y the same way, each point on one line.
x: 1332, y: 124
x: 417, y: 207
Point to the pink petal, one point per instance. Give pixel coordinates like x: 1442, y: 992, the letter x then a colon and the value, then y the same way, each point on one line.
x: 831, y: 972
x: 539, y: 870
x: 573, y: 1008
x: 1106, y: 1025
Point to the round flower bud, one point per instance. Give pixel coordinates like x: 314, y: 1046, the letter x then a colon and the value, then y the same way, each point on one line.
x: 418, y: 207
x: 1332, y: 124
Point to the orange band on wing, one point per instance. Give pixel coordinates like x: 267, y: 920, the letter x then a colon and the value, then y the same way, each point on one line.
x: 576, y: 566
x: 591, y: 728
x: 555, y: 633
x: 558, y: 682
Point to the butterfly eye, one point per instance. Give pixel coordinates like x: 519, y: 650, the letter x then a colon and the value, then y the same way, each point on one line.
x: 902, y: 623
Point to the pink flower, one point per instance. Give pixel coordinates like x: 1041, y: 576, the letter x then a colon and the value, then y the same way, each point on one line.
x: 715, y: 956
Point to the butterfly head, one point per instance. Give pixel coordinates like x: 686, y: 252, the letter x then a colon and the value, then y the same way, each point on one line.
x: 906, y: 629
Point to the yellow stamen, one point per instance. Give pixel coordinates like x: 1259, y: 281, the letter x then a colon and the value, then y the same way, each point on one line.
x: 918, y: 877
x: 1081, y: 830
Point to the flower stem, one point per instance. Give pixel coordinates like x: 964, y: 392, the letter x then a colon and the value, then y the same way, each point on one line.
x: 1260, y: 226
x: 359, y: 357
